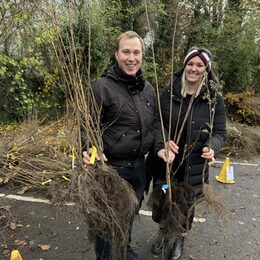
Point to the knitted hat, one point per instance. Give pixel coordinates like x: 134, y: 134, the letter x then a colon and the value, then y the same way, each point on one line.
x: 203, y: 54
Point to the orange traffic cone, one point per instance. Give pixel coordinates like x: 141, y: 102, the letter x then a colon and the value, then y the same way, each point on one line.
x: 226, y: 174
x: 15, y: 255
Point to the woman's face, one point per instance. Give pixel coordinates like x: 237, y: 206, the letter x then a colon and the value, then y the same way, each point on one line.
x: 194, y: 70
x: 129, y: 55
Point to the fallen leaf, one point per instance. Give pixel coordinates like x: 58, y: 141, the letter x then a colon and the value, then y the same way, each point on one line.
x: 4, y: 246
x: 6, y: 252
x: 13, y: 225
x: 24, y: 189
x: 5, y: 207
x: 19, y: 225
x: 241, y: 222
x: 45, y: 247
x: 19, y: 242
x: 4, y: 180
x: 2, y: 217
x: 31, y: 244
x: 200, y: 220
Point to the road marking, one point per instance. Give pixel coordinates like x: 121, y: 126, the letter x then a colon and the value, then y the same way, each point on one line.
x: 45, y: 201
x: 145, y: 212
x: 244, y: 164
x: 29, y: 199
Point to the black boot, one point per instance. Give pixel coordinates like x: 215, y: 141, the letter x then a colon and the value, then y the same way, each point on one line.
x: 102, y: 249
x: 177, y: 249
x: 158, y: 245
x: 132, y: 255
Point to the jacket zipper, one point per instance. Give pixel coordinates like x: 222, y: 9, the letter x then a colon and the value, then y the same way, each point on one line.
x: 186, y: 176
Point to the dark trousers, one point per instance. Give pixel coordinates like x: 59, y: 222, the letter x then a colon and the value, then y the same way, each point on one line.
x: 134, y: 174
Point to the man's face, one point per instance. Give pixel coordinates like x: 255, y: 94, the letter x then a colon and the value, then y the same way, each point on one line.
x: 129, y: 55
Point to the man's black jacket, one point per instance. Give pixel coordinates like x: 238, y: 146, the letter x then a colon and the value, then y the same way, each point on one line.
x: 128, y: 111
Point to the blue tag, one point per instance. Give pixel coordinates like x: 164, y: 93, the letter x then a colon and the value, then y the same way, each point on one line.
x: 165, y: 187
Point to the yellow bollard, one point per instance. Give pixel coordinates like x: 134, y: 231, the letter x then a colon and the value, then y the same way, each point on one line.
x: 15, y: 255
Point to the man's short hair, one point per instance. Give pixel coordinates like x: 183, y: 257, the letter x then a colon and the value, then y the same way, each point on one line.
x: 129, y: 35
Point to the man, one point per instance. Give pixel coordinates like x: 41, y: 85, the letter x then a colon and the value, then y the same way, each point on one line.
x: 128, y: 111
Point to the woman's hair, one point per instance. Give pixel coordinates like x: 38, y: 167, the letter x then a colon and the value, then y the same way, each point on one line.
x: 129, y: 35
x: 184, y: 86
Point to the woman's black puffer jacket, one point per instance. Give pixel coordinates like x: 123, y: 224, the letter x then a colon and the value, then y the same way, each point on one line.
x: 196, y: 132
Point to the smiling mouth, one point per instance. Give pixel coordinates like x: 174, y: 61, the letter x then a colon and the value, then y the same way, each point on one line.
x: 130, y: 65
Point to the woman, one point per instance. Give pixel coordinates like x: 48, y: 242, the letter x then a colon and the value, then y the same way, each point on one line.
x: 196, y: 106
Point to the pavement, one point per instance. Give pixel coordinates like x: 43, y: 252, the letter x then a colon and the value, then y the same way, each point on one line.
x: 42, y: 231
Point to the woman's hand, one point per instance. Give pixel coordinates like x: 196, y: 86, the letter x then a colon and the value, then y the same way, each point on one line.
x: 208, y: 154
x: 87, y: 156
x: 174, y: 147
x: 167, y: 157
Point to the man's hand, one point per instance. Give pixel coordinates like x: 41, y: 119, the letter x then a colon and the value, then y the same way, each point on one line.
x: 87, y: 156
x: 208, y: 154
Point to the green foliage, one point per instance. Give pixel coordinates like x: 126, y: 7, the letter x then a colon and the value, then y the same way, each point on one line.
x: 163, y: 27
x: 16, y: 99
x: 95, y: 22
x: 24, y: 89
x: 25, y: 60
x: 28, y: 70
x: 243, y: 107
x: 236, y: 58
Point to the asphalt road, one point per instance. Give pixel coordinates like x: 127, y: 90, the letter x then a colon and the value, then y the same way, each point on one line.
x: 42, y: 231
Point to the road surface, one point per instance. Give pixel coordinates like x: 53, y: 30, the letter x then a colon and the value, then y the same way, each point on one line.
x: 41, y: 231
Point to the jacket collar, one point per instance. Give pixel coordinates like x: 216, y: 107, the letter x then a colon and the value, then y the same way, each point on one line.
x: 134, y: 83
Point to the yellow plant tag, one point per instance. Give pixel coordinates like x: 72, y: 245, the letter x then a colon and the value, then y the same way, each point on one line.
x: 93, y: 155
x: 65, y: 178
x: 46, y: 182
x: 73, y: 158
